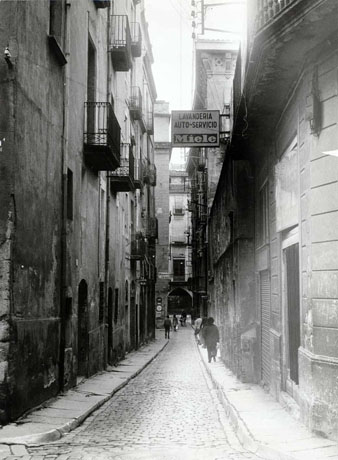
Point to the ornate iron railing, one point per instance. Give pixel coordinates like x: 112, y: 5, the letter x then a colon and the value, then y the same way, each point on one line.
x: 101, y: 126
x: 269, y: 10
x: 127, y: 163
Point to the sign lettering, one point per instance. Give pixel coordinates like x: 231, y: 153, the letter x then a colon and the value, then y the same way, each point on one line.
x: 195, y: 128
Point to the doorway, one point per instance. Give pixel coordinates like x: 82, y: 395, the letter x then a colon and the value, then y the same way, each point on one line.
x: 291, y: 312
x: 82, y: 325
x: 291, y: 255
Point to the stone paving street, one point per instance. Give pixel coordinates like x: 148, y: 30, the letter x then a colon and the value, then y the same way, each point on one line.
x: 169, y: 411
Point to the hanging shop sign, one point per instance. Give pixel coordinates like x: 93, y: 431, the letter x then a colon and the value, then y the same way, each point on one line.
x: 195, y: 128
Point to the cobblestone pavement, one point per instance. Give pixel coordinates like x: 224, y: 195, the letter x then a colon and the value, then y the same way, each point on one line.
x: 169, y: 411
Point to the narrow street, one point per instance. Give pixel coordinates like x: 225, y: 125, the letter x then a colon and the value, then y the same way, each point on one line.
x: 169, y: 411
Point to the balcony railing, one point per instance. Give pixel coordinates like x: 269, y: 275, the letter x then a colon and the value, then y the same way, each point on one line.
x: 269, y: 9
x: 152, y: 228
x: 150, y: 122
x: 138, y: 247
x: 136, y: 39
x: 122, y: 179
x: 102, y: 134
x: 135, y: 103
x: 101, y: 3
x: 120, y: 44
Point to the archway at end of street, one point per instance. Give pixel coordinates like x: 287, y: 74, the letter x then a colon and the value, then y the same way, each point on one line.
x: 179, y: 300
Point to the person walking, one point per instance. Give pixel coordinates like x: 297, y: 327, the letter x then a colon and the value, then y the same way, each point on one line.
x: 167, y: 327
x: 183, y: 318
x: 175, y: 323
x: 201, y: 333
x: 211, y: 338
x: 197, y: 327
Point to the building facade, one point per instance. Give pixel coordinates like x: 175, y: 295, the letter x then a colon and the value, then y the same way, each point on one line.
x: 214, y: 69
x: 180, y: 269
x: 77, y: 255
x: 274, y: 258
x: 162, y: 159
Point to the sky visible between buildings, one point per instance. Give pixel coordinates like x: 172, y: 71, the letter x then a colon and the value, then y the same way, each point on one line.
x: 170, y: 29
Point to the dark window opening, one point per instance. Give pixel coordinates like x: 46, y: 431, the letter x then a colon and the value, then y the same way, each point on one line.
x: 179, y: 269
x: 56, y: 19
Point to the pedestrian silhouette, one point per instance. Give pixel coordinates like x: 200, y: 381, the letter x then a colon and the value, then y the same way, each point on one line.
x: 175, y: 323
x: 167, y: 327
x: 183, y: 318
x: 211, y: 338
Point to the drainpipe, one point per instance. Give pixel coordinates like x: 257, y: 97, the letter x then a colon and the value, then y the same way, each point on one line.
x: 63, y: 258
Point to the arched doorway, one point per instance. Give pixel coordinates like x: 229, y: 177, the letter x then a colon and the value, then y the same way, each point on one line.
x: 82, y: 329
x: 178, y: 300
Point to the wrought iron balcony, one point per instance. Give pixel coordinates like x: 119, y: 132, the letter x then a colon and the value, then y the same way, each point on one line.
x: 138, y: 247
x: 102, y: 135
x: 136, y: 39
x: 101, y: 3
x: 122, y: 179
x: 268, y: 10
x: 120, y: 43
x: 150, y: 122
x: 135, y: 103
x: 152, y: 228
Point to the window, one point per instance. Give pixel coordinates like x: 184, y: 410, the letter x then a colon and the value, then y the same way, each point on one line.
x: 179, y: 268
x: 69, y: 194
x: 178, y: 206
x: 56, y: 19
x: 56, y: 29
x: 91, y: 72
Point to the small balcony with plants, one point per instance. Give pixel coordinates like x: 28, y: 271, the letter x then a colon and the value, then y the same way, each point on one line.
x: 122, y: 179
x: 102, y: 134
x: 136, y: 39
x: 120, y: 43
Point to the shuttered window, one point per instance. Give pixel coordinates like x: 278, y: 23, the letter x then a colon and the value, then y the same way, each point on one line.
x: 265, y: 326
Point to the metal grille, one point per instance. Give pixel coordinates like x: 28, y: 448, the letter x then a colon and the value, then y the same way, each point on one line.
x: 265, y: 325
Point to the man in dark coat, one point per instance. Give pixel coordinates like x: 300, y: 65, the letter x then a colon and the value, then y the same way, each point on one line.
x: 167, y: 327
x: 211, y: 337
